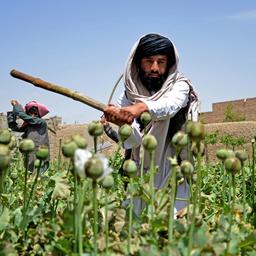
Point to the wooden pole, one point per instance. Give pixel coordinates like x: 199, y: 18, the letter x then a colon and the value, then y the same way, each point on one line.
x: 58, y: 89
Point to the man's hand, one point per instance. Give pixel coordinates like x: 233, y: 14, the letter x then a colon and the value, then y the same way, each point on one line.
x: 114, y: 115
x: 14, y: 102
x: 120, y: 116
x: 136, y: 109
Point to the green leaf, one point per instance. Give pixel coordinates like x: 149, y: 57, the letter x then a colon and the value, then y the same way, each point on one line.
x: 4, y: 219
x: 63, y: 246
x: 61, y: 189
x: 201, y: 236
x: 119, y: 220
x: 68, y: 220
x: 18, y: 217
x: 248, y: 242
x: 233, y: 247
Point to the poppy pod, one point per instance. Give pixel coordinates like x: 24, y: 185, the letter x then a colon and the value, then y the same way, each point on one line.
x: 42, y: 153
x: 80, y: 141
x: 233, y: 165
x: 180, y: 139
x: 149, y: 142
x: 26, y: 146
x: 195, y: 131
x: 94, y: 168
x: 5, y: 136
x: 95, y: 128
x: 130, y: 167
x: 187, y: 168
x: 4, y: 156
x: 107, y: 182
x: 69, y: 148
x: 125, y: 132
x: 145, y: 118
x: 241, y: 155
x: 222, y: 154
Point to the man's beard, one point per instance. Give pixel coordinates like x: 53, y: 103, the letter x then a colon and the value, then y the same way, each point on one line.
x: 153, y: 84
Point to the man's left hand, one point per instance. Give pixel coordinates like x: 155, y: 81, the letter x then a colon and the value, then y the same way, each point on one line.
x: 120, y: 116
x: 136, y: 109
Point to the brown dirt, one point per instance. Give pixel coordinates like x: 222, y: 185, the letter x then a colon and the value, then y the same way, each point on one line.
x: 246, y: 130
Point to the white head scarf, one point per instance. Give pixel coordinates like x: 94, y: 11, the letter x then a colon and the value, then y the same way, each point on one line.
x: 135, y: 91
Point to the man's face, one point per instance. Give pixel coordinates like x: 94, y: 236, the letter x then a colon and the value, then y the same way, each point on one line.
x: 155, y: 65
x: 33, y: 112
x: 153, y: 71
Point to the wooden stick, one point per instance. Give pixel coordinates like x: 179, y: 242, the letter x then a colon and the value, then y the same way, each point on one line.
x: 58, y: 89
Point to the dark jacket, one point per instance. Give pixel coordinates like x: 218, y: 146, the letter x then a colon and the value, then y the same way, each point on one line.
x: 34, y: 128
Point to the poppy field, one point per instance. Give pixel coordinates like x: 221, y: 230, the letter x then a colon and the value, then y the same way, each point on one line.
x: 83, y: 204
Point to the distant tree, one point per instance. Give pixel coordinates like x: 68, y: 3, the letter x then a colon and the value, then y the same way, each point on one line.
x: 230, y: 115
x: 232, y: 141
x: 212, y: 138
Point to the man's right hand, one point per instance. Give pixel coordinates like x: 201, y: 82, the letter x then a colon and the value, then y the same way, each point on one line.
x: 118, y: 116
x: 14, y: 102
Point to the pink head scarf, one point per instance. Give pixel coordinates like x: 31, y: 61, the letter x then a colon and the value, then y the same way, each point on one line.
x: 42, y: 109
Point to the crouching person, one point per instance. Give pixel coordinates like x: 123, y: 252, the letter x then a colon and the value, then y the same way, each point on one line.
x: 33, y: 127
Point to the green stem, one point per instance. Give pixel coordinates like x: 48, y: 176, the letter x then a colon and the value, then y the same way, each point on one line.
x: 232, y: 205
x: 199, y: 177
x: 32, y: 191
x: 223, y: 175
x: 190, y: 196
x: 59, y: 155
x: 70, y: 166
x: 95, y: 219
x: 195, y: 205
x: 141, y: 164
x: 172, y: 202
x: 79, y: 219
x: 52, y: 209
x: 106, y: 223
x: 130, y: 220
x: 75, y: 214
x: 31, y: 195
x: 25, y: 193
x: 152, y: 185
x: 95, y: 144
x: 234, y: 193
x: 189, y: 153
x: 230, y: 192
x: 2, y: 178
x: 1, y: 190
x: 56, y: 207
x: 244, y: 193
x: 253, y: 175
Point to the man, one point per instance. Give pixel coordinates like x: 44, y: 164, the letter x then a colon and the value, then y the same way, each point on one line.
x: 33, y: 127
x: 154, y: 84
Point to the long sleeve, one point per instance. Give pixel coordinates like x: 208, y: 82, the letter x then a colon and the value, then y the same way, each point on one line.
x: 18, y: 111
x: 165, y: 107
x: 12, y: 124
x: 170, y: 103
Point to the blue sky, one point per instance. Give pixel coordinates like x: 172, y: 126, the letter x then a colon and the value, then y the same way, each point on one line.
x: 83, y: 45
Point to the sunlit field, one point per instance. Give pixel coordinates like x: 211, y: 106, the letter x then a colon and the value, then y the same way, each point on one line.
x: 83, y: 204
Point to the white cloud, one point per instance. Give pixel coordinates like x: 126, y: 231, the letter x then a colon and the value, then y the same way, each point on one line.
x: 244, y: 16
